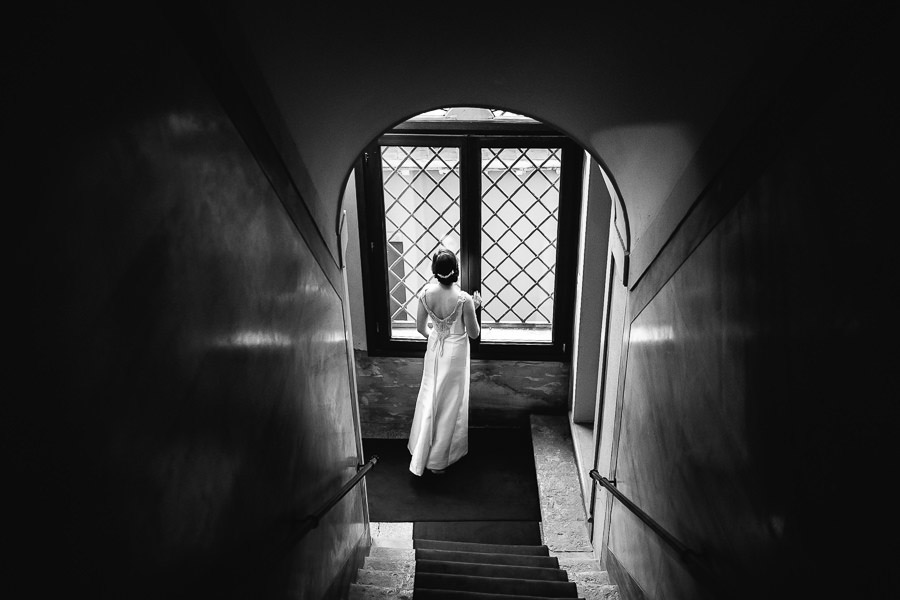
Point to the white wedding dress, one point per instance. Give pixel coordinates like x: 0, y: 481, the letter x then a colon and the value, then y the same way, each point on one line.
x: 440, y: 431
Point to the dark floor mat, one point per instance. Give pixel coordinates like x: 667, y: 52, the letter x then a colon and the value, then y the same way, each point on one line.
x: 482, y: 532
x: 494, y: 482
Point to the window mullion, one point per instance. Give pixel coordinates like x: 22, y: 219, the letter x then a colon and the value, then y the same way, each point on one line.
x: 378, y: 320
x: 567, y: 251
x: 470, y: 218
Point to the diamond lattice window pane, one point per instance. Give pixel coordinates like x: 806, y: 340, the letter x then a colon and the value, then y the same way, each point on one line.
x: 421, y: 207
x: 520, y: 217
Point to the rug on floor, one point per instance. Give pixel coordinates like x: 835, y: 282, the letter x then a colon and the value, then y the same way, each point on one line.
x: 495, y: 481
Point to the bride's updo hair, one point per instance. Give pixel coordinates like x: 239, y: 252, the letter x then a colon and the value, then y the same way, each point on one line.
x: 445, y: 267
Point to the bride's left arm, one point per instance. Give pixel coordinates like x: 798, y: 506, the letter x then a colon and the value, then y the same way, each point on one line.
x: 470, y: 319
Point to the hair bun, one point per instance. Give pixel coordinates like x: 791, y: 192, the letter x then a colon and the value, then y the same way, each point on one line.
x: 445, y: 266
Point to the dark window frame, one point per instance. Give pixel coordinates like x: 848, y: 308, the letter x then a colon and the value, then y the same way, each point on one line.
x: 470, y: 138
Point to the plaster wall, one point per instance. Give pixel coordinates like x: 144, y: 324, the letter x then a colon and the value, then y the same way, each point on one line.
x: 752, y: 377
x: 188, y: 393
x: 641, y: 88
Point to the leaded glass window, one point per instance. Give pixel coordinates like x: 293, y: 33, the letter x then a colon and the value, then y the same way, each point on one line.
x: 520, y: 224
x: 421, y: 212
x: 506, y: 204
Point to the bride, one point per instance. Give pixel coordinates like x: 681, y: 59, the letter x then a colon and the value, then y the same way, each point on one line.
x: 440, y: 430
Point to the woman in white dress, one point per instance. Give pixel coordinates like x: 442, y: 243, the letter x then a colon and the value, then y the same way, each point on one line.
x: 440, y: 431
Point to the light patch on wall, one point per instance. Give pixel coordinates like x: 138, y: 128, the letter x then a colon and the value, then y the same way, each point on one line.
x: 303, y: 290
x: 255, y: 339
x: 271, y: 339
x: 331, y: 337
x: 652, y: 335
x: 187, y: 124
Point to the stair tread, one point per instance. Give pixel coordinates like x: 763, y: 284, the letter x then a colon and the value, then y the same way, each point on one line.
x: 361, y: 591
x: 591, y: 577
x: 487, y: 558
x: 389, y: 564
x: 392, y: 579
x: 430, y: 594
x: 488, y: 532
x: 385, y: 552
x: 489, y: 570
x: 483, y: 548
x: 396, y: 543
x: 502, y: 585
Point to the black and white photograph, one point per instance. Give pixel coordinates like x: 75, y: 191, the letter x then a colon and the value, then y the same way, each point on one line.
x: 451, y: 301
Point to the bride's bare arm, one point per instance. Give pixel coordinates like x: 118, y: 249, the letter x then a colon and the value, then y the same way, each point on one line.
x: 422, y: 317
x: 469, y: 318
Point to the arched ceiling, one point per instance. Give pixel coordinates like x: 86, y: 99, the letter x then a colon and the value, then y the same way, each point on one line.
x: 641, y: 87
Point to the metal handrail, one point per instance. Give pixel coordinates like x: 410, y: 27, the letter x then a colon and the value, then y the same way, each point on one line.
x: 311, y: 521
x: 277, y: 544
x: 691, y: 559
x: 683, y: 551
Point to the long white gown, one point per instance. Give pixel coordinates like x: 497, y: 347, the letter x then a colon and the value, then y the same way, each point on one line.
x: 440, y: 431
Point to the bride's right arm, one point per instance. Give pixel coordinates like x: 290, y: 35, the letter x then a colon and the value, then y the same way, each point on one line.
x: 422, y: 317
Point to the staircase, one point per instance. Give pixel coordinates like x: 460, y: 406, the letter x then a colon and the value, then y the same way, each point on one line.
x: 444, y: 570
x: 447, y: 570
x: 388, y: 571
x: 469, y: 565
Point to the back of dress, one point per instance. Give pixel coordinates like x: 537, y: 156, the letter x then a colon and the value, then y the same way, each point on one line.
x: 439, y: 433
x: 453, y: 323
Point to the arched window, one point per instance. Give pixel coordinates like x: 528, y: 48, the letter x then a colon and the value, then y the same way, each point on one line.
x: 501, y: 190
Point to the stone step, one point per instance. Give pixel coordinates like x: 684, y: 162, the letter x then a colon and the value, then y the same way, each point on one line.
x: 578, y: 564
x: 391, y: 542
x: 520, y: 549
x: 389, y: 564
x: 398, y: 553
x: 391, y: 530
x: 592, y: 577
x: 496, y: 585
x: 594, y: 591
x: 375, y: 592
x: 428, y: 594
x: 488, y: 570
x: 390, y: 575
x: 488, y: 558
x: 389, y: 579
